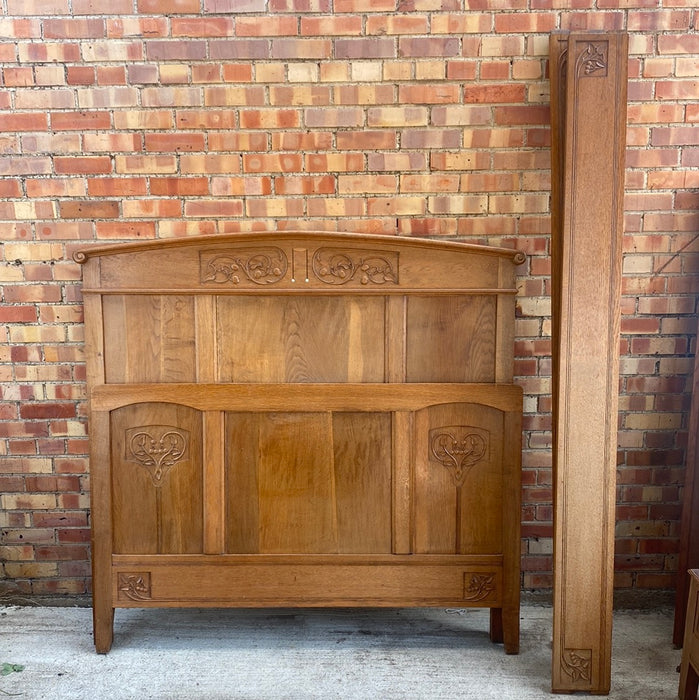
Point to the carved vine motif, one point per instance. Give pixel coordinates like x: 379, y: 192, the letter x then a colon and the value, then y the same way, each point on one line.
x: 577, y: 664
x: 262, y: 266
x: 479, y: 586
x: 337, y: 266
x: 458, y: 448
x: 134, y: 586
x: 157, y: 448
x: 593, y: 59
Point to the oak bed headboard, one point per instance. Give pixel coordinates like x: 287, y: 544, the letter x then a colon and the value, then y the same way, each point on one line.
x: 303, y: 419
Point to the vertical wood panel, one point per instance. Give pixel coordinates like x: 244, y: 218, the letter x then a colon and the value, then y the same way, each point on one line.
x: 214, y: 483
x: 588, y: 289
x: 149, y: 338
x: 396, y: 307
x: 205, y: 339
x: 402, y: 442
x: 157, y: 496
x: 362, y: 466
x: 451, y: 339
x: 458, y: 473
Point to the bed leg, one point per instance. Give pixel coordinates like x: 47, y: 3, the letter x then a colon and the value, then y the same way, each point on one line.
x: 103, y: 627
x: 496, y: 632
x: 510, y: 625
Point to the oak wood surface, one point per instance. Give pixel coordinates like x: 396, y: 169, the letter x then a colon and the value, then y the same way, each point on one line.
x: 689, y: 536
x: 304, y: 419
x: 589, y: 120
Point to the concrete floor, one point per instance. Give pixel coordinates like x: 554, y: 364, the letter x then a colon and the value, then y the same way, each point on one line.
x: 304, y: 654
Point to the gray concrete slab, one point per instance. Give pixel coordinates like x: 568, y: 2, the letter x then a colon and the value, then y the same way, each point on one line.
x: 290, y: 654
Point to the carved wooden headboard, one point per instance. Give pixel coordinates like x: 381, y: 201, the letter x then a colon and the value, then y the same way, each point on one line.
x: 303, y: 419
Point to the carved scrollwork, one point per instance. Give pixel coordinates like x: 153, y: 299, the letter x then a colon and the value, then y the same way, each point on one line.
x: 577, y: 664
x: 458, y: 448
x: 593, y: 59
x: 134, y: 586
x: 478, y: 586
x: 336, y: 266
x: 157, y: 448
x: 261, y: 266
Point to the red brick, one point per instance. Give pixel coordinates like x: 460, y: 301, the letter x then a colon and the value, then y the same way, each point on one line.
x: 179, y: 186
x: 430, y: 94
x: 272, y: 163
x: 125, y: 229
x: 279, y: 25
x: 305, y: 185
x: 85, y: 165
x: 89, y: 209
x: 116, y: 186
x: 202, y: 26
x: 409, y: 47
x: 168, y: 7
x: 297, y: 49
x: 74, y: 28
x: 213, y: 207
x: 331, y: 26
x: 167, y: 143
x: 23, y: 121
x: 678, y: 44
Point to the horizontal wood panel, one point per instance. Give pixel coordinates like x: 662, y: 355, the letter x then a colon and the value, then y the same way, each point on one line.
x: 312, y: 261
x: 326, y: 584
x: 308, y: 397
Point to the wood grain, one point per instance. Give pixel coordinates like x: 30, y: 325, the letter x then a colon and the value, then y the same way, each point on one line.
x: 587, y: 260
x: 271, y: 417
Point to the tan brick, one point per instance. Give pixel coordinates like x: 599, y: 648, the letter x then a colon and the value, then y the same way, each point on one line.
x: 458, y: 204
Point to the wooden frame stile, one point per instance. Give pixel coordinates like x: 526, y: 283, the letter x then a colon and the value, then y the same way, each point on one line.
x: 588, y: 78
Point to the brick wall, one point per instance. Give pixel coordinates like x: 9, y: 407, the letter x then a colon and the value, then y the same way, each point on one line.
x: 410, y: 117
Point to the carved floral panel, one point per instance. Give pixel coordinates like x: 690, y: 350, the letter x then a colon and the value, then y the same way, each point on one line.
x: 458, y: 448
x: 157, y: 448
x: 259, y: 266
x: 338, y: 266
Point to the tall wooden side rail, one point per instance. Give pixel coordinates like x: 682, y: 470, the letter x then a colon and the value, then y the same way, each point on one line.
x: 588, y: 118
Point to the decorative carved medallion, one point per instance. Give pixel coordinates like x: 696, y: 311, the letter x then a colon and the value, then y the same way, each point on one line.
x: 593, y: 59
x: 157, y: 448
x: 260, y: 266
x: 337, y: 266
x: 458, y: 448
x: 478, y: 586
x: 134, y: 586
x: 577, y: 664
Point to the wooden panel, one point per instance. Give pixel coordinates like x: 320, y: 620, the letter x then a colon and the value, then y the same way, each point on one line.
x: 458, y: 472
x: 689, y: 535
x: 451, y: 339
x: 587, y: 289
x: 689, y: 678
x: 298, y: 263
x: 157, y: 499
x: 287, y: 339
x: 149, y: 339
x: 291, y: 457
x: 309, y: 482
x: 310, y: 397
x: 362, y: 465
x: 253, y: 405
x: 310, y: 581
